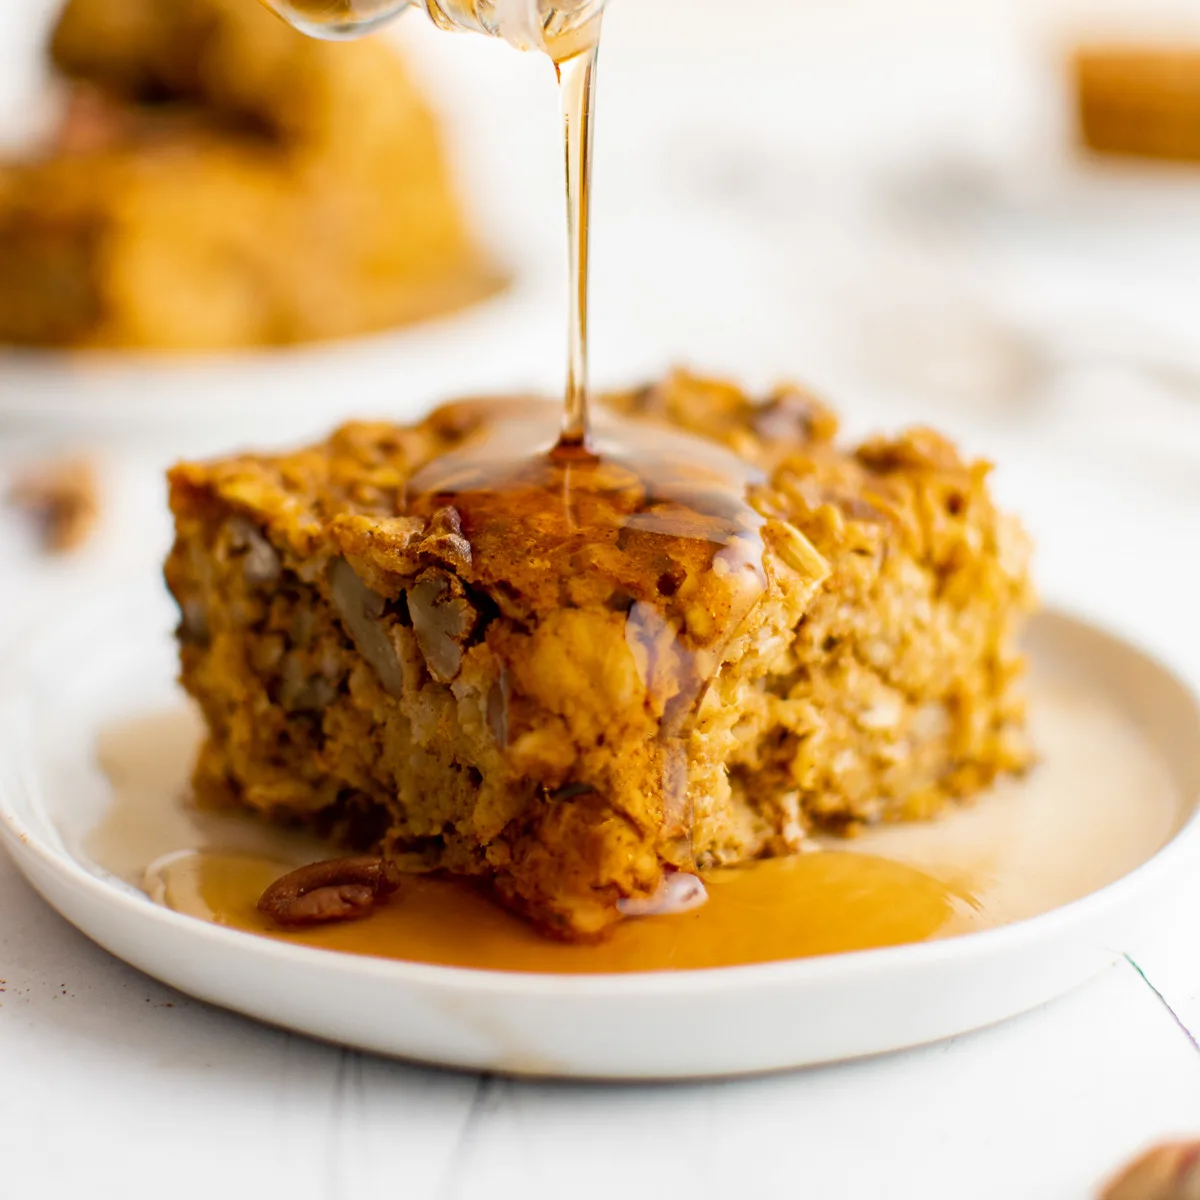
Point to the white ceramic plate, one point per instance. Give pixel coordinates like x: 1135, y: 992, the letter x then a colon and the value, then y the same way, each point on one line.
x: 282, y: 394
x: 114, y: 657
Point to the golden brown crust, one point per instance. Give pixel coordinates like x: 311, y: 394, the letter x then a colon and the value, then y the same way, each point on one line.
x: 358, y: 662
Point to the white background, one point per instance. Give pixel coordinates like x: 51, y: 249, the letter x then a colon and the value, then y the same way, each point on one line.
x: 880, y: 199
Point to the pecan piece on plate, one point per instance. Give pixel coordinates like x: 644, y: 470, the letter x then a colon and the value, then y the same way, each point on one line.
x: 1167, y: 1172
x: 62, y: 496
x: 338, y: 889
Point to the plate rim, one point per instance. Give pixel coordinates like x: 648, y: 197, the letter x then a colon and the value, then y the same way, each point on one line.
x: 173, y: 389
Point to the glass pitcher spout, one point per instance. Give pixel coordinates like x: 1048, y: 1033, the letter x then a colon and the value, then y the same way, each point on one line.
x: 561, y: 28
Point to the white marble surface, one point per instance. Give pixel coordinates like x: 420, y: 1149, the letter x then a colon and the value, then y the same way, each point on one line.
x: 766, y: 204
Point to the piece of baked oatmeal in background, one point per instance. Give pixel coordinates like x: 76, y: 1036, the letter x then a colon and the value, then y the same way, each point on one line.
x: 573, y: 717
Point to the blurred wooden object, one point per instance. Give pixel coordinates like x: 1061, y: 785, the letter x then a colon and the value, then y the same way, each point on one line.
x: 1139, y: 101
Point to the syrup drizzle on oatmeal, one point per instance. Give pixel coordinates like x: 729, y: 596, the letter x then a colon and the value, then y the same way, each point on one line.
x: 659, y: 529
x: 655, y: 524
x: 568, y: 31
x: 577, y: 80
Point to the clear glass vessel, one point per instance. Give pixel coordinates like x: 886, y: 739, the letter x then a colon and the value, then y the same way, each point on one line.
x: 560, y: 28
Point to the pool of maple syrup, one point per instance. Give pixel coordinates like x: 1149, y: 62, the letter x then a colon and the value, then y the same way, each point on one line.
x: 215, y: 865
x: 1102, y: 801
x: 819, y: 903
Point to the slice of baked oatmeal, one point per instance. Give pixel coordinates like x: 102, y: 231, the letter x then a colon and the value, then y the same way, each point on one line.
x: 571, y: 701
